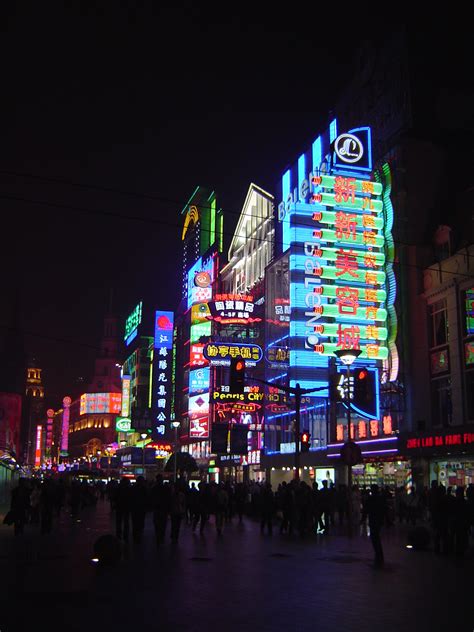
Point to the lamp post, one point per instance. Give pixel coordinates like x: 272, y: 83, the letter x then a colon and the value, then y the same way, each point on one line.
x: 143, y: 436
x: 175, y: 425
x: 347, y: 357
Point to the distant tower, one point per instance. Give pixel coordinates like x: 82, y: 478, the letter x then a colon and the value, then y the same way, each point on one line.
x: 34, y: 387
x: 33, y: 411
x: 106, y: 372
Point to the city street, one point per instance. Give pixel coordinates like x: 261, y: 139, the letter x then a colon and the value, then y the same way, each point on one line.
x: 240, y: 581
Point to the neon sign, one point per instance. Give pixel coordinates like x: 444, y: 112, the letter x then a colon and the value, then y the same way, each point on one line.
x: 132, y: 323
x: 100, y: 403
x: 334, y: 226
x: 39, y: 438
x: 126, y: 379
x: 123, y: 424
x: 220, y: 354
x: 448, y: 440
x: 233, y: 309
x: 162, y: 371
x: 65, y: 426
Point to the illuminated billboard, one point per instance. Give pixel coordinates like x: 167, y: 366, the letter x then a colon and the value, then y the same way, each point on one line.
x: 335, y: 220
x: 198, y: 406
x: 162, y: 391
x: 199, y: 380
x: 126, y: 380
x: 164, y: 329
x: 200, y: 279
x: 132, y: 323
x: 234, y: 309
x: 100, y: 403
x: 220, y: 354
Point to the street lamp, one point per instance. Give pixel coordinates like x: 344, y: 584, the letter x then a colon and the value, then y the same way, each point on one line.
x: 347, y: 357
x: 175, y: 425
x: 143, y: 435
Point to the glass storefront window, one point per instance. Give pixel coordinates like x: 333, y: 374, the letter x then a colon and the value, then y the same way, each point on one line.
x: 453, y: 473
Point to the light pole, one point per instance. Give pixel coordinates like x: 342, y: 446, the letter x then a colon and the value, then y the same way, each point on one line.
x: 175, y: 425
x: 143, y: 436
x: 347, y: 357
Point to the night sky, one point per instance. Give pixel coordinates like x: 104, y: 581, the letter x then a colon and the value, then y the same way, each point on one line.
x: 112, y: 117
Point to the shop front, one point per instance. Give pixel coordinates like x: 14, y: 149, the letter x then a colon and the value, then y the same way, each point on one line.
x: 445, y: 456
x: 382, y: 463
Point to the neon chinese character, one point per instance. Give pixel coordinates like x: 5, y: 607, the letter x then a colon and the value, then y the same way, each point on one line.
x: 212, y: 351
x: 234, y: 352
x: 163, y: 365
x: 161, y: 403
x: 163, y: 351
x: 369, y: 237
x: 371, y: 331
x: 345, y: 225
x: 348, y: 338
x: 372, y: 351
x: 223, y: 351
x: 370, y: 260
x: 371, y: 312
x: 162, y: 377
x: 367, y: 186
x: 344, y: 188
x: 229, y: 304
x: 368, y: 221
x: 367, y: 203
x: 245, y: 353
x: 374, y: 428
x: 346, y: 263
x: 362, y: 430
x: 340, y: 432
x: 371, y: 278
x: 371, y: 295
x: 387, y: 424
x: 219, y: 305
x: 347, y: 300
x: 161, y: 390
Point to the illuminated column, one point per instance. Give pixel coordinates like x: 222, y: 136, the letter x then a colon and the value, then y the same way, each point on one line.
x: 65, y: 427
x: 49, y: 433
x: 39, y: 439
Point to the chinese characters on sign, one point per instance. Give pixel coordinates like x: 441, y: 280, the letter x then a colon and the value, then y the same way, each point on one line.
x: 132, y: 323
x: 162, y: 369
x: 233, y: 309
x: 220, y: 354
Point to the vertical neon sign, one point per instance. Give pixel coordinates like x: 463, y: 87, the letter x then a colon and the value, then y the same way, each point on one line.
x: 65, y: 426
x: 126, y: 379
x: 162, y: 383
x: 49, y: 432
x: 39, y: 438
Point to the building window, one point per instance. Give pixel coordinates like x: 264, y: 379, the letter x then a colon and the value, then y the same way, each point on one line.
x: 470, y: 395
x: 441, y: 408
x: 438, y: 323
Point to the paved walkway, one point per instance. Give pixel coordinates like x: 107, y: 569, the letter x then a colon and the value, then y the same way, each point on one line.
x: 242, y: 581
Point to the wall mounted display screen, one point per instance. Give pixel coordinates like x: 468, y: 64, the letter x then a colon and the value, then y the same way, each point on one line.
x: 100, y: 403
x: 132, y: 323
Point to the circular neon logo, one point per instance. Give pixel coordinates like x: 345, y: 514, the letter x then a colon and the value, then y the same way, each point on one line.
x: 348, y: 148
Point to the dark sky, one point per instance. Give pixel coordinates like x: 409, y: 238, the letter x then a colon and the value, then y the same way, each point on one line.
x: 124, y: 111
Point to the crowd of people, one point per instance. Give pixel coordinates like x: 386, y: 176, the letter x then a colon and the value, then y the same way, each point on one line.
x: 293, y: 508
x: 41, y: 502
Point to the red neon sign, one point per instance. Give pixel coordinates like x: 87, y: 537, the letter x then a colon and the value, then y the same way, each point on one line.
x: 449, y: 440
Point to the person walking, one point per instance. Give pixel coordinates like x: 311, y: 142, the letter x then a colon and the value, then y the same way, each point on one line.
x: 139, y: 505
x: 160, y: 503
x: 177, y: 510
x: 123, y: 507
x: 375, y: 510
x: 222, y: 504
x: 47, y: 498
x: 20, y: 506
x: 267, y: 509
